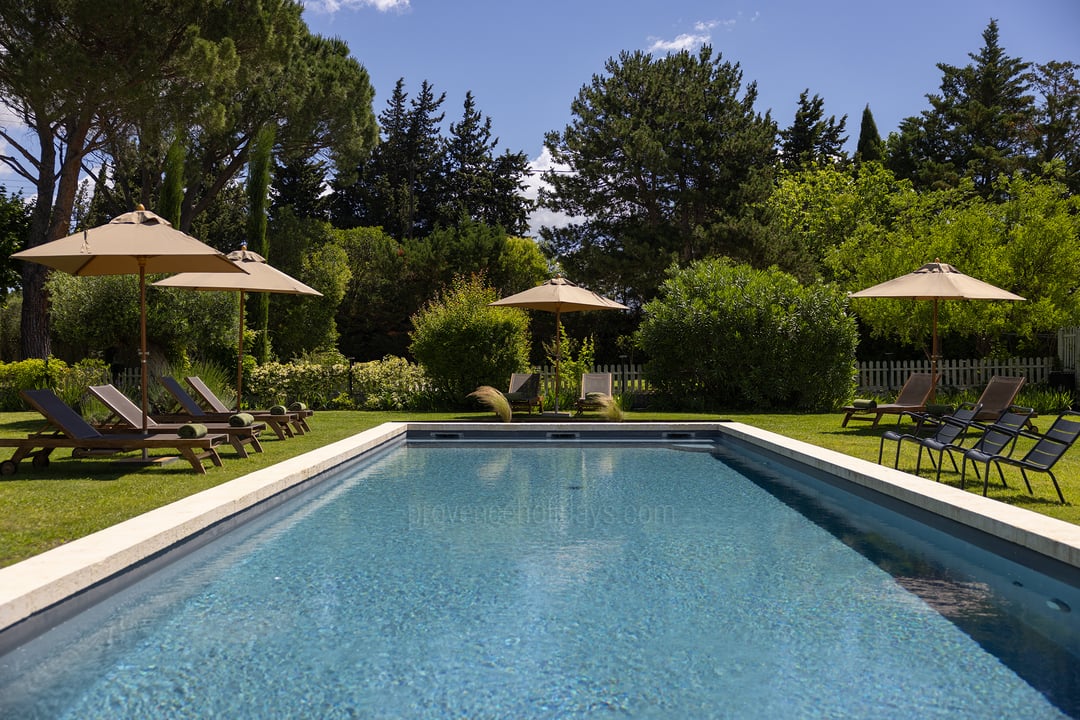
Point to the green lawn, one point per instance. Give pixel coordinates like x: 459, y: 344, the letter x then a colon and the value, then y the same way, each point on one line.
x: 43, y: 508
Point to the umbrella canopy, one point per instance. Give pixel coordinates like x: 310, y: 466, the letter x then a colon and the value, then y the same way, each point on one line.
x: 258, y: 276
x: 137, y: 242
x: 936, y: 281
x: 559, y: 295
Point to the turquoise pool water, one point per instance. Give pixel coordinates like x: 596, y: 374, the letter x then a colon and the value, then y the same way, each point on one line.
x: 575, y: 581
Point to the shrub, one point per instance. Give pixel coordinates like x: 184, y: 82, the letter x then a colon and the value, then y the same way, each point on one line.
x: 284, y: 383
x: 462, y: 342
x: 392, y: 383
x: 727, y: 336
x: 69, y: 383
x: 388, y: 384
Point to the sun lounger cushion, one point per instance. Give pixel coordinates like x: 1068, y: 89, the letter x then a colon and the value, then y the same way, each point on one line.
x: 278, y: 410
x: 191, y: 430
x: 242, y: 420
x: 864, y: 404
x: 298, y: 407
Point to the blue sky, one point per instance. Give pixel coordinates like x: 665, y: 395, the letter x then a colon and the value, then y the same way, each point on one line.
x: 525, y: 60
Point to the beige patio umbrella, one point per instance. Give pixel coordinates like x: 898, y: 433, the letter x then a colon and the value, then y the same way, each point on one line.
x: 138, y: 242
x: 559, y: 295
x: 259, y: 276
x: 936, y: 281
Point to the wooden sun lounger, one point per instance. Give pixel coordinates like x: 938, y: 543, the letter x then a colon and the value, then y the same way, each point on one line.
x: 283, y: 426
x: 70, y: 430
x: 912, y: 398
x: 524, y: 392
x: 130, y: 419
x: 207, y: 396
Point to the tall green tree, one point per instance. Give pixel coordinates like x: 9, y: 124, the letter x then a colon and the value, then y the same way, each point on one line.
x: 67, y: 71
x: 977, y: 125
x: 870, y: 147
x: 300, y: 184
x: 308, y: 249
x: 812, y: 138
x: 307, y: 87
x: 399, y: 188
x: 815, y: 211
x: 1056, y: 129
x: 481, y: 186
x: 417, y: 180
x: 258, y: 187
x: 667, y: 162
x: 172, y: 186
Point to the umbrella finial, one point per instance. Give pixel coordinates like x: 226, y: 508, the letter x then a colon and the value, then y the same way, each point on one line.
x: 140, y: 207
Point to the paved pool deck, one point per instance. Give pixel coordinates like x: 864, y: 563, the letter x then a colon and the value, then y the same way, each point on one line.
x: 42, y: 582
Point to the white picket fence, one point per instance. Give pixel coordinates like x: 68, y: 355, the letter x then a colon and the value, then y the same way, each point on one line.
x: 873, y: 376
x: 878, y: 376
x: 624, y: 378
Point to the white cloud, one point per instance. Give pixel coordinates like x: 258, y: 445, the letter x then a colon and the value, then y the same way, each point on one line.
x: 685, y: 41
x: 701, y: 35
x: 543, y: 217
x: 332, y: 6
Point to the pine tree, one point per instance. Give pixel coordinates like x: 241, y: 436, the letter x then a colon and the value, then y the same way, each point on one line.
x: 812, y: 138
x: 670, y: 163
x: 480, y: 186
x: 1056, y: 129
x: 978, y: 126
x: 416, y: 180
x: 300, y: 184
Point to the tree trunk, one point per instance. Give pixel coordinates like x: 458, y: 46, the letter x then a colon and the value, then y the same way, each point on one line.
x: 34, y: 332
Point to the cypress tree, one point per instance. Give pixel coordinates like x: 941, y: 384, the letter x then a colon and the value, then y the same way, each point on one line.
x: 870, y: 148
x: 258, y: 185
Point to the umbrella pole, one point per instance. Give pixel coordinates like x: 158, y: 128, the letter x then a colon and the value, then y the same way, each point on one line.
x: 558, y: 359
x: 142, y: 352
x: 142, y: 345
x: 934, y: 355
x: 240, y: 354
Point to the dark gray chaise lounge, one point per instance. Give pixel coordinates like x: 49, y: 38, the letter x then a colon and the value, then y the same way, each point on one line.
x: 70, y: 430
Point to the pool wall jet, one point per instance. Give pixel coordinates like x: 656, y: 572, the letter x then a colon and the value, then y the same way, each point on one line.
x: 39, y: 591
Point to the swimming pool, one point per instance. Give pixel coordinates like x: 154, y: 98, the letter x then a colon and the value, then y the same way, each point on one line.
x: 567, y: 578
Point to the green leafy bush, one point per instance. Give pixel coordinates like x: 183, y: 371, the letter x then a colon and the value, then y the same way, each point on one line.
x: 284, y: 383
x: 27, y: 374
x: 69, y: 382
x: 462, y: 342
x: 726, y: 336
x: 392, y: 383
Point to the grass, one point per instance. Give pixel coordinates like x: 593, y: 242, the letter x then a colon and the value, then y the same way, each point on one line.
x: 41, y: 508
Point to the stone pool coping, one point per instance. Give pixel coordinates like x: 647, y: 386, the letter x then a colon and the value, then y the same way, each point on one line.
x: 38, y: 583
